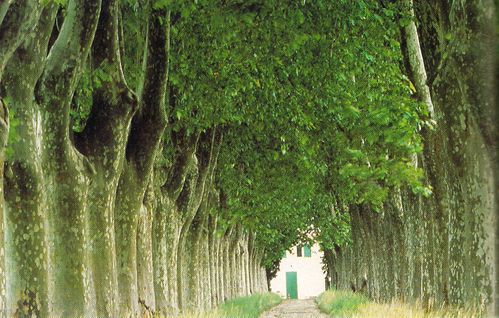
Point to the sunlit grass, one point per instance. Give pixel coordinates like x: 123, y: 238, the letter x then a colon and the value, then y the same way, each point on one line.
x: 243, y: 307
x: 212, y: 314
x: 340, y: 304
x: 249, y: 307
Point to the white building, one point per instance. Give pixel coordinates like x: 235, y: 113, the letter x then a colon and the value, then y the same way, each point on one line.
x: 300, y: 275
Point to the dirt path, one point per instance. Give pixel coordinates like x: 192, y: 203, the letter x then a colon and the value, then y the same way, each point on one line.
x: 295, y: 309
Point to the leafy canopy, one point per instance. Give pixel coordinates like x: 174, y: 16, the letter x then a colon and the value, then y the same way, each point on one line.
x: 317, y: 112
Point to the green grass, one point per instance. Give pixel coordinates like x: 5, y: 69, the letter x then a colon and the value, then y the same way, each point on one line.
x: 340, y: 303
x: 242, y: 307
x: 249, y: 307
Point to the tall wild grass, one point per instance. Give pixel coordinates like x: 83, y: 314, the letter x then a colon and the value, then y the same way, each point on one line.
x: 345, y: 304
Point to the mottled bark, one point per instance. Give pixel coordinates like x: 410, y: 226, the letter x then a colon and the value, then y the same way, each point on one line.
x: 198, y: 238
x: 220, y: 271
x: 103, y: 142
x: 146, y: 131
x: 246, y: 272
x: 187, y: 210
x: 226, y: 270
x: 213, y: 269
x: 195, y: 270
x: 67, y: 171
x: 26, y: 206
x: 166, y: 232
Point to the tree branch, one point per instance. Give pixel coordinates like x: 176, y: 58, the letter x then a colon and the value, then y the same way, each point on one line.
x: 17, y: 20
x: 26, y: 64
x: 149, y: 123
x: 4, y: 131
x: 415, y: 57
x: 63, y: 67
x: 205, y: 154
x: 4, y: 6
x: 114, y: 103
x: 21, y: 74
x: 185, y: 148
x: 185, y: 198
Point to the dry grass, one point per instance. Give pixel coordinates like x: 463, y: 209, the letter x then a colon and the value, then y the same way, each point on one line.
x: 398, y: 310
x: 347, y: 304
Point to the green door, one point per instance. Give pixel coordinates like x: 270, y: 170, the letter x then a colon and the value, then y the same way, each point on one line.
x: 291, y: 285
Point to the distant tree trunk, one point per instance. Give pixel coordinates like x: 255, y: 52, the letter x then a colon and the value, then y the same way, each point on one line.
x: 213, y: 269
x: 189, y: 203
x: 145, y: 269
x: 220, y: 272
x: 166, y: 234
x: 169, y: 221
x: 4, y: 133
x: 226, y: 278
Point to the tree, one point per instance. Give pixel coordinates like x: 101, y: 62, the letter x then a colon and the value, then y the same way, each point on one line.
x: 162, y: 154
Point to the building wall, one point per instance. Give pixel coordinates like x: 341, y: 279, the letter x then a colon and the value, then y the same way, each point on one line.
x: 311, y: 278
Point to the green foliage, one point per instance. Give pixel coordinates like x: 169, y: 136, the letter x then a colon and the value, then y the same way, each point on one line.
x: 82, y: 102
x: 340, y: 303
x: 332, y: 225
x: 317, y: 113
x: 249, y: 307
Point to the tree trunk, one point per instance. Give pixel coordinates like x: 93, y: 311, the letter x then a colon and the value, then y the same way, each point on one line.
x: 145, y: 135
x: 4, y: 133
x: 26, y: 201
x: 166, y: 231
x: 145, y: 270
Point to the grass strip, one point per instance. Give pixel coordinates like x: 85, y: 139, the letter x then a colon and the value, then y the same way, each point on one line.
x: 346, y: 304
x: 241, y: 307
